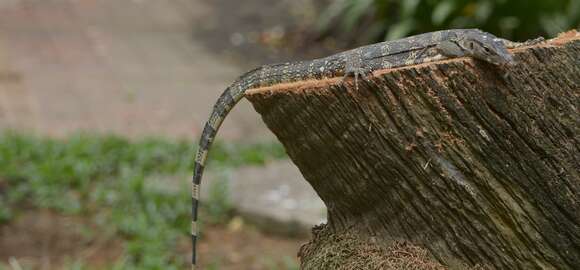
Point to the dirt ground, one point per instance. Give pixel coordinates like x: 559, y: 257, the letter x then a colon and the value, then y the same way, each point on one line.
x: 45, y: 240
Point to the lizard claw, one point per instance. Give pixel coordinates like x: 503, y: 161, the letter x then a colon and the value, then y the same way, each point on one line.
x: 362, y: 72
x: 535, y: 41
x: 355, y: 66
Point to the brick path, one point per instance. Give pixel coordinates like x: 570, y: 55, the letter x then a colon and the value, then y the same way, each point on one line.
x: 130, y: 67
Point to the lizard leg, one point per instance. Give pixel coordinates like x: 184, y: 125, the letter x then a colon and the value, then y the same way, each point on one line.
x: 450, y: 49
x: 535, y: 41
x: 362, y: 72
x: 422, y: 52
x: 512, y: 44
x: 354, y: 66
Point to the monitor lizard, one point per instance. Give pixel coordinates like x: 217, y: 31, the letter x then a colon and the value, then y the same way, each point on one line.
x: 357, y: 62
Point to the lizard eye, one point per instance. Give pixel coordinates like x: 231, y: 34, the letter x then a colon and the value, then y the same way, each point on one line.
x: 486, y: 49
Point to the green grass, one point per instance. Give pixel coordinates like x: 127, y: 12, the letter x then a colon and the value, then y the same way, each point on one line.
x: 118, y: 185
x: 377, y: 20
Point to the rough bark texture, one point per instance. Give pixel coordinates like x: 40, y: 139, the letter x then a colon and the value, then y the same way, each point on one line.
x: 477, y: 166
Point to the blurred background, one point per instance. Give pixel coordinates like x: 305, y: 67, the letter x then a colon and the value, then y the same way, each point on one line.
x: 102, y: 102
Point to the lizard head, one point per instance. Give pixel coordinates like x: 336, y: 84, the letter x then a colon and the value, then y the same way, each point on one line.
x: 486, y: 47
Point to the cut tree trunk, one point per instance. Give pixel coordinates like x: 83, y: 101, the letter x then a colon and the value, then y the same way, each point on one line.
x: 475, y: 164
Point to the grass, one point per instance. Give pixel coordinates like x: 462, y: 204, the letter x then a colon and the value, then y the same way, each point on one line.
x: 377, y: 20
x: 103, y: 178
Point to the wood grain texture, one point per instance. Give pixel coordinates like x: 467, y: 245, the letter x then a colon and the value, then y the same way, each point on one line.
x: 455, y: 156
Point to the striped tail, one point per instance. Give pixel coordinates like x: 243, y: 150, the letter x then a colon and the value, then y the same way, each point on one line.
x: 223, y: 106
x: 261, y: 76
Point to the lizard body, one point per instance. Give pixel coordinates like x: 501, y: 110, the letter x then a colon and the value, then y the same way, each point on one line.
x: 357, y: 62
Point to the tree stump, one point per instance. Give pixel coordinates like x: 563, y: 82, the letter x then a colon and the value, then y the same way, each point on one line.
x: 474, y: 164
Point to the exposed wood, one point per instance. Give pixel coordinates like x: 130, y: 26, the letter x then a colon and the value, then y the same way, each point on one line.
x: 477, y: 164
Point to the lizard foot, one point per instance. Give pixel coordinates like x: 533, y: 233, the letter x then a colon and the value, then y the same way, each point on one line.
x: 535, y: 41
x: 356, y: 72
x: 530, y: 42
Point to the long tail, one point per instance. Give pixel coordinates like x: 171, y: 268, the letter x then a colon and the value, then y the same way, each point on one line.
x: 262, y: 76
x: 229, y: 98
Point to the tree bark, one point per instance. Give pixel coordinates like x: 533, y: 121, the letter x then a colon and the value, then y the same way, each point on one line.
x: 479, y: 165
